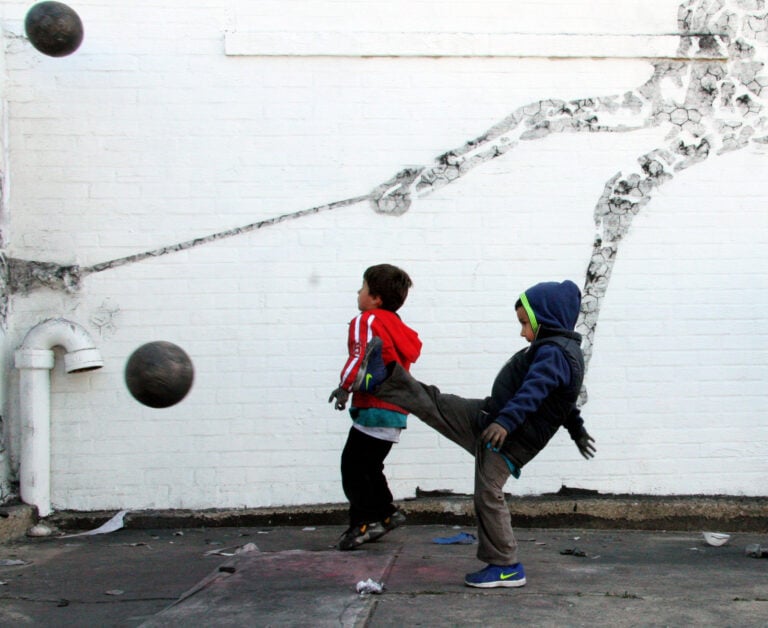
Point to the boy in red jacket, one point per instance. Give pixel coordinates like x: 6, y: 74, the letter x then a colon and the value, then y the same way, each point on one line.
x: 379, y: 331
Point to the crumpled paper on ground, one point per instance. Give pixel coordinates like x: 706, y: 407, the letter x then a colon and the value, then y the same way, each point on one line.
x: 229, y: 551
x: 370, y: 586
x: 115, y: 523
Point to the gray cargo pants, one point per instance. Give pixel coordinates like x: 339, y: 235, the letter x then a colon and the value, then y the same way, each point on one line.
x: 456, y: 418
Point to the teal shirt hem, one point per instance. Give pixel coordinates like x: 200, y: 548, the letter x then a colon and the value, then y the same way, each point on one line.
x: 378, y: 417
x: 513, y: 468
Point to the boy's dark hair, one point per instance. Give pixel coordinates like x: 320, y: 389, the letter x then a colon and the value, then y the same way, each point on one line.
x: 389, y: 283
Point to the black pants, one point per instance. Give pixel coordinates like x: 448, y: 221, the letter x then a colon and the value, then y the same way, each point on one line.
x: 362, y: 477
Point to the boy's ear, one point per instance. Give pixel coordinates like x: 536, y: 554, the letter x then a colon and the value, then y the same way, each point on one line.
x: 378, y: 300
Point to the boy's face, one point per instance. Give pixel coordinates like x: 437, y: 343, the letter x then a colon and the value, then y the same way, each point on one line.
x: 365, y: 301
x: 526, y: 330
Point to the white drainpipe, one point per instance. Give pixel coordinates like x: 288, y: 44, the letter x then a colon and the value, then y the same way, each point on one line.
x: 35, y: 359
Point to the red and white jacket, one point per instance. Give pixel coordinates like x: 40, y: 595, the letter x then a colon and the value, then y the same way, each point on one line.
x: 400, y: 344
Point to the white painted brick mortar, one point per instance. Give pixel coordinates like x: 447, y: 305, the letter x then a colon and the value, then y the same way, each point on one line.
x: 151, y: 136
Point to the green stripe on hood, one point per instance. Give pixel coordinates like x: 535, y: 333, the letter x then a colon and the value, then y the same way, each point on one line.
x: 555, y: 305
x: 531, y: 314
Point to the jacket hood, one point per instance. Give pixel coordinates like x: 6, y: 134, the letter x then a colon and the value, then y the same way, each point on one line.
x: 552, y: 304
x: 401, y: 343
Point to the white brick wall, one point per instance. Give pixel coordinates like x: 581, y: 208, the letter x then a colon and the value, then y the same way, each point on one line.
x: 151, y: 136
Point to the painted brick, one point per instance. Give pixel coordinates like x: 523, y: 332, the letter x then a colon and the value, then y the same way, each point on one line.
x: 150, y: 138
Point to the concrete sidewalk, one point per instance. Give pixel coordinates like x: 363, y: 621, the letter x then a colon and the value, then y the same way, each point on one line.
x: 291, y: 576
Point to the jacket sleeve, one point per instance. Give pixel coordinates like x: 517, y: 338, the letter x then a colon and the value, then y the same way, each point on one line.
x: 548, y: 371
x: 360, y: 333
x: 574, y: 424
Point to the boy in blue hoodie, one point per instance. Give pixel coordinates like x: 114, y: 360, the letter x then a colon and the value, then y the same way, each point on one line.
x: 532, y: 396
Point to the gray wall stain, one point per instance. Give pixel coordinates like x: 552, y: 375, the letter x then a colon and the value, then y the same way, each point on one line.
x: 4, y: 289
x: 24, y: 276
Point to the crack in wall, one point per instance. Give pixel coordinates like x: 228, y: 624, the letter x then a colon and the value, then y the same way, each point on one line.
x: 711, y: 105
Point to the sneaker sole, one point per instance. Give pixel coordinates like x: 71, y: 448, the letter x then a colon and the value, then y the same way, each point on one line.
x: 373, y: 344
x: 496, y: 584
x: 354, y: 543
x: 377, y: 535
x: 396, y: 523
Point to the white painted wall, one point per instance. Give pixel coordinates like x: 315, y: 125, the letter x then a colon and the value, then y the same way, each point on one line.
x: 150, y: 136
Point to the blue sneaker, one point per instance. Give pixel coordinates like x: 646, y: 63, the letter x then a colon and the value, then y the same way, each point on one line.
x: 372, y: 370
x: 495, y: 576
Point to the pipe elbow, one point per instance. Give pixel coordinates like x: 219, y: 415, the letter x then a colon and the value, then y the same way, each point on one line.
x: 80, y: 355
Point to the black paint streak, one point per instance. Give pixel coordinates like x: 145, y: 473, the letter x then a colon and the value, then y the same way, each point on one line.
x: 24, y: 276
x: 189, y: 244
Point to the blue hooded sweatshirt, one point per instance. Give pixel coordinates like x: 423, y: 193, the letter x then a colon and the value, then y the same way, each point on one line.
x: 536, y: 390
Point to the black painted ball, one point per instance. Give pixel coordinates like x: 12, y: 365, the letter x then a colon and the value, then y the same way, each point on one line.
x: 159, y: 374
x: 54, y: 28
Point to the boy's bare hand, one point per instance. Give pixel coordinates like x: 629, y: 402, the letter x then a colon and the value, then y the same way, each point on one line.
x: 585, y: 445
x: 341, y: 396
x: 494, y: 435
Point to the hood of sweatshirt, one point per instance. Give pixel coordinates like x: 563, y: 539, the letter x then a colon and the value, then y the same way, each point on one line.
x: 401, y: 343
x: 552, y: 304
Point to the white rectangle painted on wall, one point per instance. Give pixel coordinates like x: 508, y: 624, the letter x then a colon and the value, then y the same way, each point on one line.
x: 461, y: 44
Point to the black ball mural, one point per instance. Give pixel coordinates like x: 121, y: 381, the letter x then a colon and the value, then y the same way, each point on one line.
x: 54, y: 28
x: 159, y: 374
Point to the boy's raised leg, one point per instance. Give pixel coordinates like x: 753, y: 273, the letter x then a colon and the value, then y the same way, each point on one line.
x: 454, y: 417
